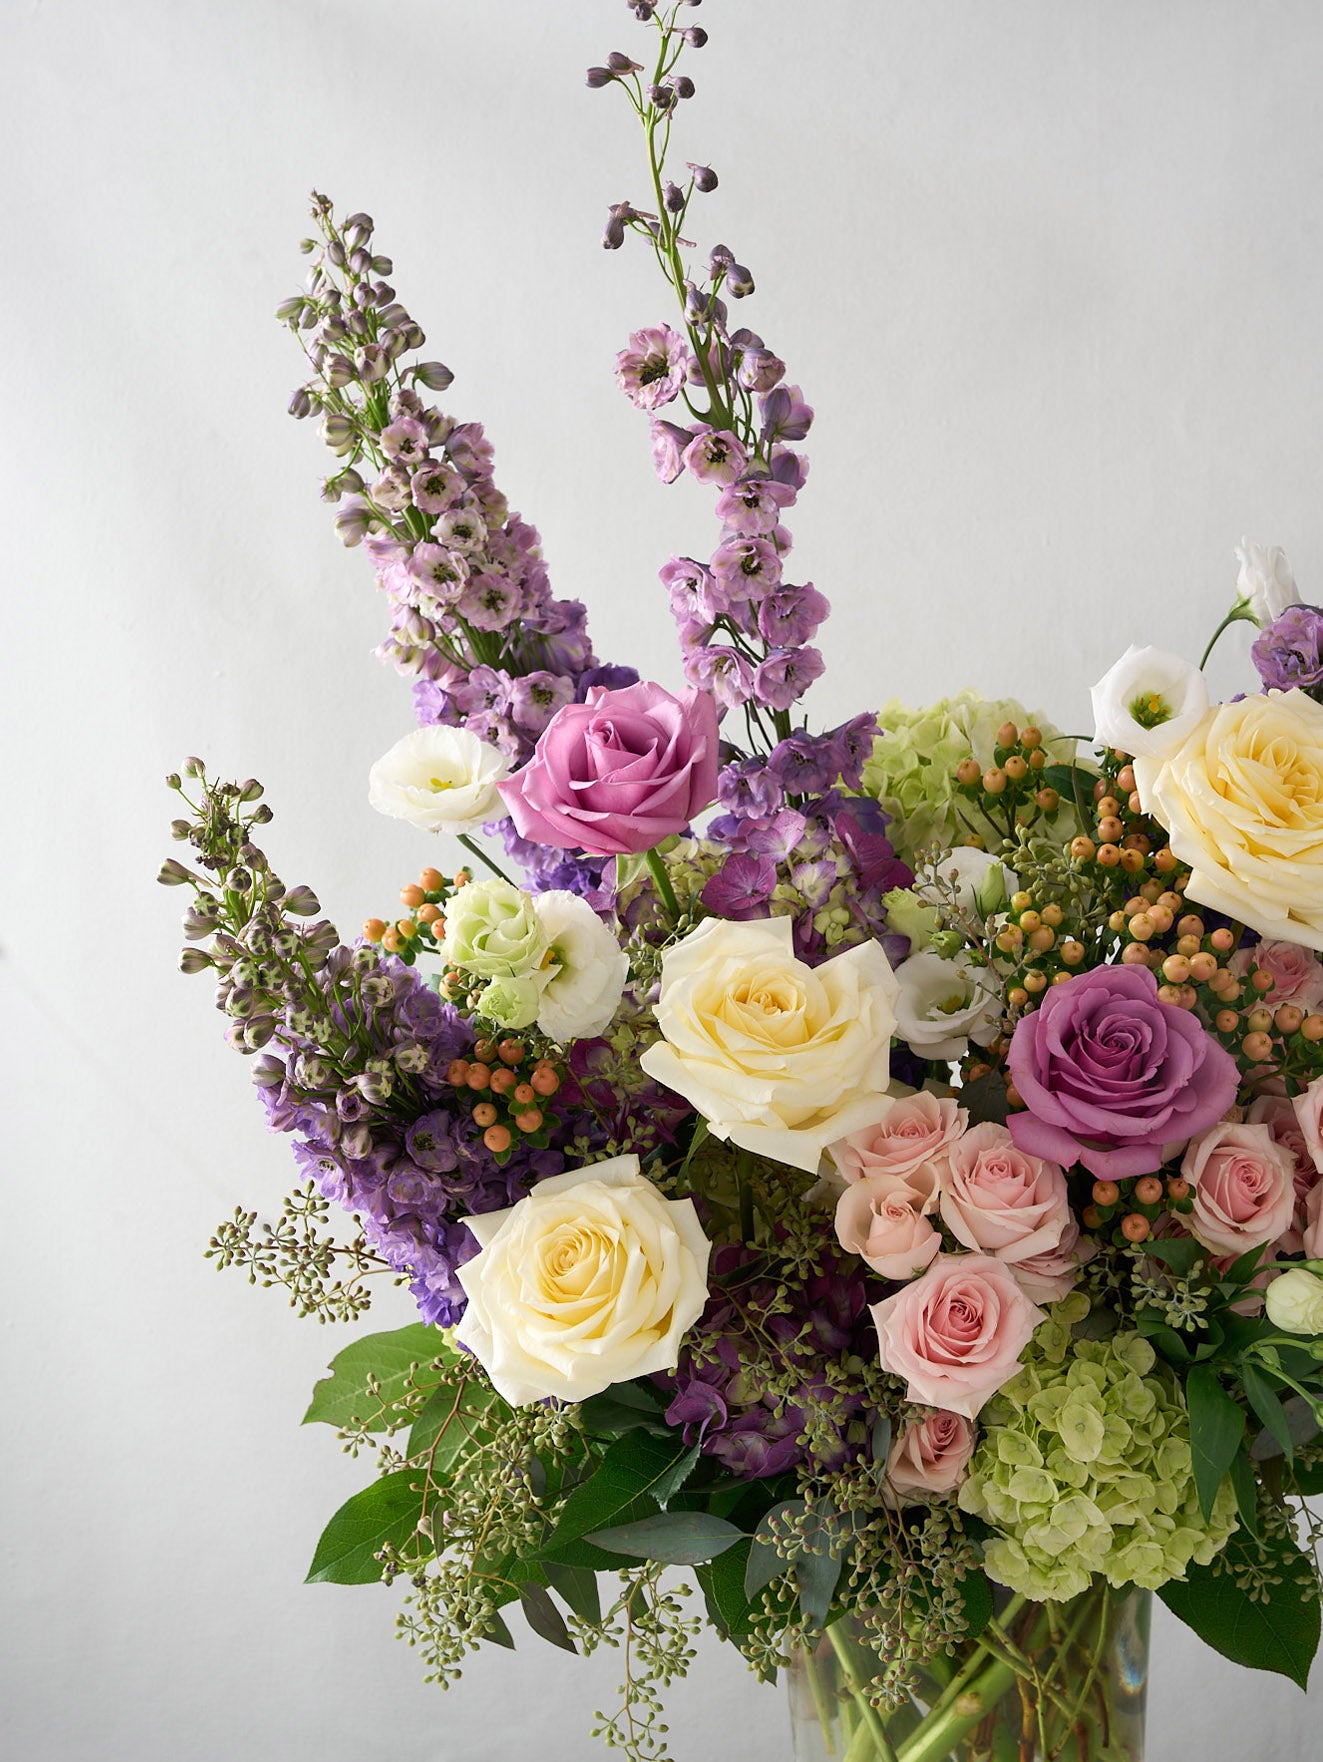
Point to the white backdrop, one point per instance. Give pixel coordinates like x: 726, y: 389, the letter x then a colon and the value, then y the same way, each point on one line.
x: 1049, y: 274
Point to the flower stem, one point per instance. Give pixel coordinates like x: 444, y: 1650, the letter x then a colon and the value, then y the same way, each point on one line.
x: 942, y: 1731
x: 663, y: 880
x: 1238, y: 612
x: 872, y: 1726
x: 482, y: 856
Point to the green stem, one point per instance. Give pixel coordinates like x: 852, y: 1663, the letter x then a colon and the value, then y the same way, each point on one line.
x: 1240, y: 611
x: 872, y: 1723
x: 941, y: 1732
x: 663, y: 880
x: 481, y: 854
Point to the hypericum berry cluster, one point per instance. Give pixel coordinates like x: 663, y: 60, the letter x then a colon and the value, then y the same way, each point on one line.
x: 1011, y: 793
x: 1129, y: 1212
x: 424, y: 925
x: 1125, y: 839
x: 512, y: 1088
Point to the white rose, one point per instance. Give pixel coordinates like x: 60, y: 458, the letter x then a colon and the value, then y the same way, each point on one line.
x: 442, y: 779
x: 591, y: 1280
x: 1242, y: 801
x: 1148, y: 702
x: 1265, y: 582
x: 943, y: 1005
x: 585, y: 966
x: 1294, y: 1301
x: 779, y: 1057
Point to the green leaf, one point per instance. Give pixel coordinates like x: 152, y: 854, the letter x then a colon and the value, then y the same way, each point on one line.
x: 387, y: 1511
x: 1217, y: 1425
x: 624, y: 1489
x: 1247, y: 1492
x: 450, y: 1419
x: 765, y: 1563
x: 879, y: 1446
x: 1180, y: 1253
x: 1278, y: 1634
x: 1300, y: 1423
x: 1266, y: 1402
x: 668, y: 1484
x: 1168, y: 1342
x: 498, y: 1633
x: 977, y: 1595
x: 722, y: 1582
x: 816, y: 1576
x: 986, y: 1100
x: 625, y: 1407
x: 577, y: 1588
x: 391, y: 1360
x: 679, y: 1538
x: 544, y: 1618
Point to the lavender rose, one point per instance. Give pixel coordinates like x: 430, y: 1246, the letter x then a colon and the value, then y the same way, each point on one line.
x: 619, y: 773
x: 1109, y: 1075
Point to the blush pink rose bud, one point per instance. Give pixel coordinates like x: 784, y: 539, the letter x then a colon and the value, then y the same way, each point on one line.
x: 617, y: 774
x: 929, y: 1458
x: 884, y: 1220
x: 914, y: 1130
x: 1002, y: 1200
x: 1244, y: 1187
x: 957, y: 1333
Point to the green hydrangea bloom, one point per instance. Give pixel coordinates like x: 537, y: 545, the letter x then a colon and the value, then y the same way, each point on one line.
x: 912, y: 768
x: 1084, y: 1466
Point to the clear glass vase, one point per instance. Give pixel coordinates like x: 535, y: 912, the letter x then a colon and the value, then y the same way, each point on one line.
x: 1045, y: 1682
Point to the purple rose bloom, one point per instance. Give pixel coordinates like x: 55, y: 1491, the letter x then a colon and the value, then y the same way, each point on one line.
x: 1290, y: 651
x: 1110, y: 1076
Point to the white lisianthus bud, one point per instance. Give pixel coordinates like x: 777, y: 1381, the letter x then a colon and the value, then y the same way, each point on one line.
x: 1294, y: 1301
x: 1265, y: 583
x: 442, y: 779
x: 594, y: 1278
x: 1148, y: 702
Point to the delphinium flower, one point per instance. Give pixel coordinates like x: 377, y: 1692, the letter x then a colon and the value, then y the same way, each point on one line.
x: 473, y: 619
x: 389, y: 1093
x: 1289, y: 652
x: 721, y: 413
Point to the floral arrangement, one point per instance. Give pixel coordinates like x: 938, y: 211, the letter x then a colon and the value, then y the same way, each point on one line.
x: 879, y: 1171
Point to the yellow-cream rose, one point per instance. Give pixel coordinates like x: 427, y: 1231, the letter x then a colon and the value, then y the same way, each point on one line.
x: 1242, y: 798
x: 779, y: 1057
x: 590, y: 1280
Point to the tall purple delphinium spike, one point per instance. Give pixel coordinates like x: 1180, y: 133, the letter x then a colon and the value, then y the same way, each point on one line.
x: 473, y: 618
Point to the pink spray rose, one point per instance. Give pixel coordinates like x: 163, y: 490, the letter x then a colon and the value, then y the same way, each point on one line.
x: 915, y: 1129
x: 1296, y: 971
x: 619, y: 773
x: 1051, y: 1275
x: 1278, y: 1113
x: 1002, y: 1200
x: 1244, y: 1187
x: 1110, y: 1075
x: 957, y: 1333
x: 930, y: 1457
x: 1309, y: 1111
x: 1313, y: 1232
x: 885, y: 1220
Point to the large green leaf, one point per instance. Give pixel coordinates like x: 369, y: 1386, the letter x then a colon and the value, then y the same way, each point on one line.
x: 577, y: 1586
x: 636, y: 1474
x: 678, y: 1538
x: 625, y: 1407
x: 1280, y: 1633
x: 765, y: 1563
x: 722, y: 1582
x: 1217, y: 1425
x: 387, y: 1511
x: 388, y: 1359
x: 544, y: 1618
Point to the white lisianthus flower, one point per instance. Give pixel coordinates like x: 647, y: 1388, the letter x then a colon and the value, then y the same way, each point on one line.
x: 943, y: 1005
x: 779, y: 1057
x: 1148, y: 702
x: 594, y: 1278
x: 584, y: 969
x: 1265, y: 583
x: 1294, y: 1302
x: 442, y: 779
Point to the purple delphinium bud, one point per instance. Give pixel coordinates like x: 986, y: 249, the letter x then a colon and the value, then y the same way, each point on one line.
x: 759, y: 369
x: 785, y: 415
x: 742, y: 887
x: 352, y: 520
x: 747, y: 567
x: 739, y: 281
x: 1289, y: 652
x: 668, y: 445
x: 715, y: 456
x: 673, y: 196
x: 617, y: 217
x: 662, y: 97
x: 652, y: 369
x: 786, y: 675
x: 790, y: 616
x: 682, y: 85
x: 597, y: 77
x: 434, y: 375
x: 789, y: 468
x: 300, y: 403
x: 705, y: 179
x: 754, y: 505
x: 748, y: 788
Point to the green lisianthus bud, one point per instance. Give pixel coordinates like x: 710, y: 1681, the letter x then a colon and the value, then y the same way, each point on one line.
x: 492, y: 930
x: 512, y: 1002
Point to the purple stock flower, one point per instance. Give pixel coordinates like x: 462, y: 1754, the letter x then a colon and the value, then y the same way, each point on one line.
x: 788, y: 617
x: 652, y: 369
x: 754, y: 505
x: 1290, y: 651
x: 714, y: 456
x: 741, y: 888
x: 786, y: 675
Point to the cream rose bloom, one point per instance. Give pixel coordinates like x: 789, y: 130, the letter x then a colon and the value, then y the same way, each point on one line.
x: 442, y: 779
x: 1242, y: 799
x: 591, y: 1280
x: 779, y: 1057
